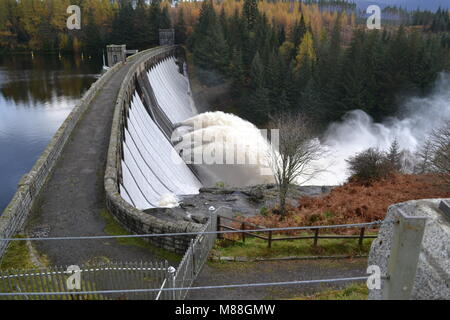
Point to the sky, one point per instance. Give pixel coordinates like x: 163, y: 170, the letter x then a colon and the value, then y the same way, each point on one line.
x: 410, y: 4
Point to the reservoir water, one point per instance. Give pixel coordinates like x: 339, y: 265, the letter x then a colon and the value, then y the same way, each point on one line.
x: 36, y: 95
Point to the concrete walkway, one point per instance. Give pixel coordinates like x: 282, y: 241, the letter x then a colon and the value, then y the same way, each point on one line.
x: 221, y: 273
x: 72, y: 202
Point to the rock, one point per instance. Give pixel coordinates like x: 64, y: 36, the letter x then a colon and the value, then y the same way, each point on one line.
x: 216, y: 190
x: 199, y: 218
x: 255, y: 193
x: 231, y: 198
x: 245, y: 201
x: 432, y: 279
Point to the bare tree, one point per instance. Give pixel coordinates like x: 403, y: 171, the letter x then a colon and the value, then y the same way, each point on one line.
x: 440, y: 146
x: 297, y: 149
x: 424, y: 155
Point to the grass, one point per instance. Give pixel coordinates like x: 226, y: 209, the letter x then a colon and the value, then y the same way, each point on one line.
x: 257, y: 248
x: 17, y: 256
x: 114, y: 229
x: 354, y: 291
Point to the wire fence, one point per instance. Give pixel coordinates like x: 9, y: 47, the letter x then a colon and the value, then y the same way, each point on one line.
x: 69, y: 283
x: 161, y: 282
x: 144, y: 280
x: 118, y: 281
x: 194, y: 258
x: 173, y: 291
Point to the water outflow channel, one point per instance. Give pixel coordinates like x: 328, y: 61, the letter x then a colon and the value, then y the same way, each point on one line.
x: 152, y: 172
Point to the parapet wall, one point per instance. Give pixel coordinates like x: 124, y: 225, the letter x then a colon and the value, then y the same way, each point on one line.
x: 132, y: 219
x: 30, y: 185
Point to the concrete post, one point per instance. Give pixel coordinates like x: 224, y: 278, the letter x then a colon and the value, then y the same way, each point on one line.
x: 405, y: 250
x: 171, y: 278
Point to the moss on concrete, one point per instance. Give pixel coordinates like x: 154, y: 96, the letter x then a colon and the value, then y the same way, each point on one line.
x: 17, y: 256
x: 113, y: 228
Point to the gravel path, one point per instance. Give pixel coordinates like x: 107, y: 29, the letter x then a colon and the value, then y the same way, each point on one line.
x: 73, y: 199
x: 218, y: 273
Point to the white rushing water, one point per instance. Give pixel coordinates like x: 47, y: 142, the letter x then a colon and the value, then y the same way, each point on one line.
x: 234, y: 152
x: 150, y: 177
x: 225, y: 149
x: 357, y: 131
x: 172, y: 90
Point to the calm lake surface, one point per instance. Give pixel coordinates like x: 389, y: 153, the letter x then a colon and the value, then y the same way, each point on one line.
x: 36, y: 95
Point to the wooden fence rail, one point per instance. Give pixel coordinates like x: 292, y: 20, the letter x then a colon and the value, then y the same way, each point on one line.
x: 270, y: 237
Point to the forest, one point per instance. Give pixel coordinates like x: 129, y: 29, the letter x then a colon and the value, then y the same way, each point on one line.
x: 322, y: 64
x: 316, y: 57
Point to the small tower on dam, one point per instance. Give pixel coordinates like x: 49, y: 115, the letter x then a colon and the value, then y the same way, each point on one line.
x: 166, y: 37
x: 116, y: 53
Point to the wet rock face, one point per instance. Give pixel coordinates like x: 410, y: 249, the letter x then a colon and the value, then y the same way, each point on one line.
x: 432, y: 279
x: 247, y: 201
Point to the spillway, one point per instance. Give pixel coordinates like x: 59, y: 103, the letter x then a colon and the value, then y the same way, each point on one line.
x: 153, y: 174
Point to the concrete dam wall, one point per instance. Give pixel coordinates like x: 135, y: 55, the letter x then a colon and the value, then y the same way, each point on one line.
x: 152, y: 172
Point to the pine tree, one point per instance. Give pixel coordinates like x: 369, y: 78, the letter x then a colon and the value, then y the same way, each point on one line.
x: 283, y: 103
x: 250, y: 12
x: 258, y: 103
x: 257, y: 72
x: 298, y: 31
x: 210, y: 48
x: 123, y: 25
x: 394, y: 156
x: 142, y: 26
x: 237, y: 74
x: 154, y: 14
x: 92, y: 40
x: 164, y: 19
x: 180, y: 28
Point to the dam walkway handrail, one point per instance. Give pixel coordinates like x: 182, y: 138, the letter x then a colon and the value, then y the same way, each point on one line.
x: 29, y: 187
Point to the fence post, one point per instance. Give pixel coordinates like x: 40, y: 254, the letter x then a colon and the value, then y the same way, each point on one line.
x: 243, y: 233
x: 361, y: 236
x: 402, y: 266
x: 193, y: 257
x: 270, y: 239
x: 219, y: 236
x: 171, y: 280
x: 316, y: 237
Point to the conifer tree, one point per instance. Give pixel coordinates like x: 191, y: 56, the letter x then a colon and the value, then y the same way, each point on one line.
x: 180, y: 28
x: 394, y: 156
x: 250, y: 11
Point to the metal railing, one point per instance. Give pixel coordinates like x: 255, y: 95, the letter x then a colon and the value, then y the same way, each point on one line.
x: 108, y: 277
x: 161, y: 282
x: 194, y: 259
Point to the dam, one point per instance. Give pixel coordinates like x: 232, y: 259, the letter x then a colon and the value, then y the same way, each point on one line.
x: 112, y: 153
x: 148, y: 173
